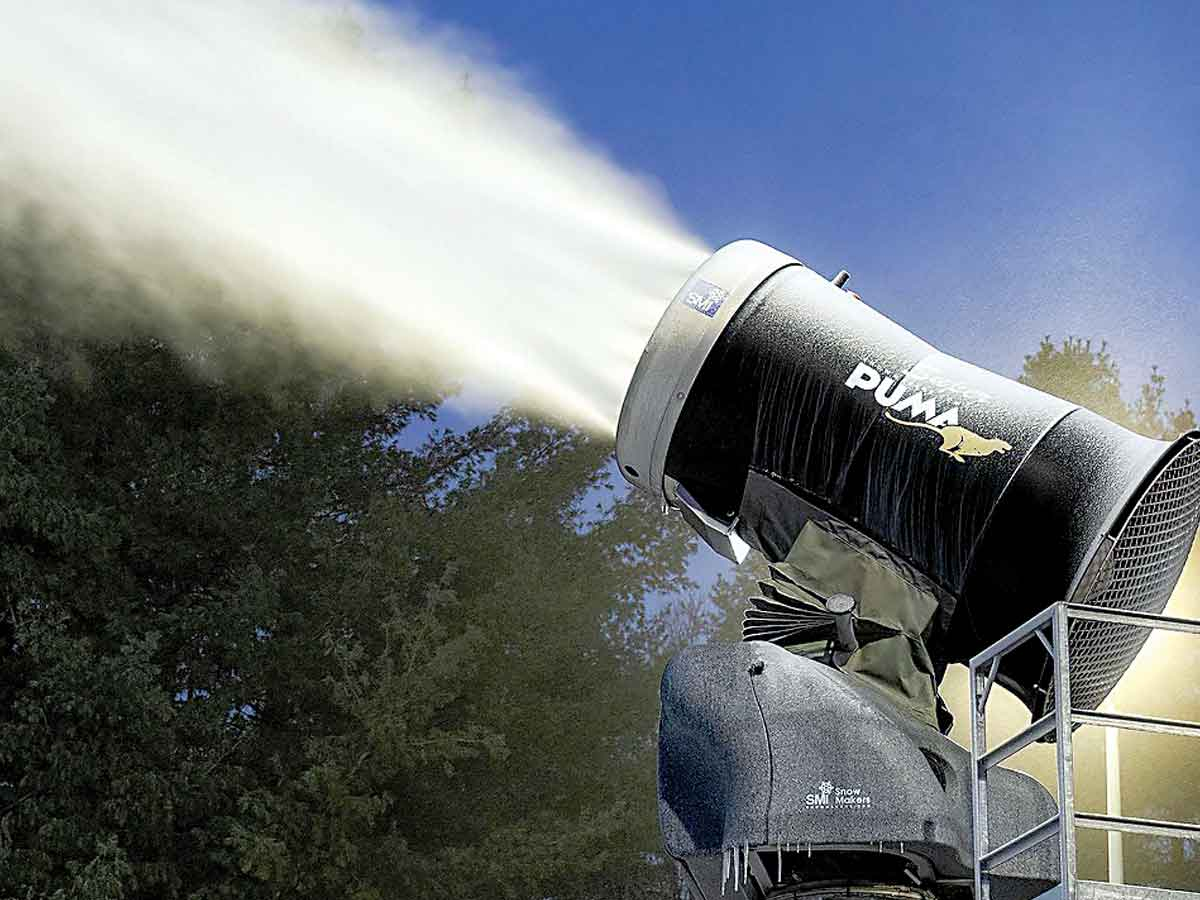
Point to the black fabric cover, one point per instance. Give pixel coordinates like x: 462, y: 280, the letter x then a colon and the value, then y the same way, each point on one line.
x: 811, y: 406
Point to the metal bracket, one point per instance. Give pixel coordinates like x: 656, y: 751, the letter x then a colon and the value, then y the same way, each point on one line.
x: 720, y: 535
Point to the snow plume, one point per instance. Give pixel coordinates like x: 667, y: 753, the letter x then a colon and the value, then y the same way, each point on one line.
x: 351, y: 175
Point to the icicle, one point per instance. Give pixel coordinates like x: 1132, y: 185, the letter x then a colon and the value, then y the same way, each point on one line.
x: 779, y: 854
x: 724, y: 870
x: 810, y: 849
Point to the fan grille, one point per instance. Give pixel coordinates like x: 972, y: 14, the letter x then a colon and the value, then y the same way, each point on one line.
x: 1139, y: 575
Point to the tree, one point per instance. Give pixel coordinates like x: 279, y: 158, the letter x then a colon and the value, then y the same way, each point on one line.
x: 1090, y: 377
x: 256, y: 643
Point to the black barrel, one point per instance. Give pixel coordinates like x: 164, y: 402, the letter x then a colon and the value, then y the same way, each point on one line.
x: 808, y: 403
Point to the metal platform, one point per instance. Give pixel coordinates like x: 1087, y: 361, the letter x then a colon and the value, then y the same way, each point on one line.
x: 1051, y: 628
x: 1102, y: 890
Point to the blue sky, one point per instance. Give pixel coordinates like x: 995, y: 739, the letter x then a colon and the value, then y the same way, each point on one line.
x: 989, y: 174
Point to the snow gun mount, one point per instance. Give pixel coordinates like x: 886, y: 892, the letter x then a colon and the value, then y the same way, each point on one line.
x: 912, y: 510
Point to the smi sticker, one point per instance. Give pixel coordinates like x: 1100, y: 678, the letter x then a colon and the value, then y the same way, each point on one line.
x: 922, y: 412
x: 704, y: 297
x: 828, y: 796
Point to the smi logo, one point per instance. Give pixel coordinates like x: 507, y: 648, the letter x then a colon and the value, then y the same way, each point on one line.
x: 957, y: 442
x: 821, y: 798
x: 830, y: 797
x: 704, y: 297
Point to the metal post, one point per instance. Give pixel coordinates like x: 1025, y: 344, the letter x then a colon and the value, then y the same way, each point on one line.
x: 979, y: 806
x: 1066, y: 764
x: 1112, y: 768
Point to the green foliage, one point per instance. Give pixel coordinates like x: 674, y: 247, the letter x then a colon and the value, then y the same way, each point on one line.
x: 1090, y: 377
x: 256, y: 641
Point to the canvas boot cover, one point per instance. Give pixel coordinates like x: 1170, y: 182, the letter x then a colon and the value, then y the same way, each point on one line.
x: 896, y: 614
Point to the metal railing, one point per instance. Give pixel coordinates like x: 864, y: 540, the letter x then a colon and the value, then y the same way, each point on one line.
x: 1051, y: 629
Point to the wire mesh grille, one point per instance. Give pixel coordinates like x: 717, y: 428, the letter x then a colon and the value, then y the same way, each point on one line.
x: 1139, y: 575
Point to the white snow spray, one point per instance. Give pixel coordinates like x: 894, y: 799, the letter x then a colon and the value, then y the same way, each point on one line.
x: 371, y: 183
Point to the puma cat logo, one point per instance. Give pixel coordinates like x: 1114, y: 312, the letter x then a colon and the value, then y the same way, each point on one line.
x: 957, y: 442
x: 894, y: 392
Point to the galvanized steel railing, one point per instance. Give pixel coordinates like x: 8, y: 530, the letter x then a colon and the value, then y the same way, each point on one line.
x: 1051, y: 629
